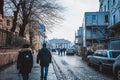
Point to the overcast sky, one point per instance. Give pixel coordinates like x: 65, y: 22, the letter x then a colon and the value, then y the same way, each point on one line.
x: 73, y: 15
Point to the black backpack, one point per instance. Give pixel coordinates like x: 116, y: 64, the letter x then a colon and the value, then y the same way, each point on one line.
x: 27, y: 56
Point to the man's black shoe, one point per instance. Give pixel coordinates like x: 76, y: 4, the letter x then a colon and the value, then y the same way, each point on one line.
x: 42, y: 78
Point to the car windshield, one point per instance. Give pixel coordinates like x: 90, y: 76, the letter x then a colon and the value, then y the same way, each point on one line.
x: 114, y: 54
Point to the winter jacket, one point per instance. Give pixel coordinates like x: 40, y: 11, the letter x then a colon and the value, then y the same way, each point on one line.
x: 44, y: 56
x: 25, y: 61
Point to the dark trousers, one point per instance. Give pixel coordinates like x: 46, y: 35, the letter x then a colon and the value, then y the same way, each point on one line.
x: 44, y: 71
x: 25, y: 76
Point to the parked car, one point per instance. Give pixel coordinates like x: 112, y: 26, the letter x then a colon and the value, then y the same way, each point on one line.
x: 116, y: 68
x: 53, y: 50
x: 70, y: 51
x: 103, y: 58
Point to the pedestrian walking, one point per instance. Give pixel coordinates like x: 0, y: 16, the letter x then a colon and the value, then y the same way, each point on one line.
x: 58, y: 51
x: 64, y: 49
x: 25, y: 61
x: 61, y: 50
x: 44, y: 56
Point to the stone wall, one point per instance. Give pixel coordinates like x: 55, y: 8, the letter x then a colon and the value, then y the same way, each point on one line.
x: 7, y: 56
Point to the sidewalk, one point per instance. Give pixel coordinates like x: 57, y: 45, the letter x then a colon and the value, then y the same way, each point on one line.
x: 11, y: 72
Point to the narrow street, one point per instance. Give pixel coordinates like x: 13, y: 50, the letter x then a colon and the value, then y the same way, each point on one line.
x: 73, y: 68
x: 90, y: 28
x: 61, y: 68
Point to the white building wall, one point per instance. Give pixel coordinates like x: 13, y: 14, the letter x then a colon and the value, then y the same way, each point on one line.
x: 95, y: 18
x: 80, y: 35
x: 114, y: 10
x: 105, y: 5
x: 59, y: 43
x: 92, y: 20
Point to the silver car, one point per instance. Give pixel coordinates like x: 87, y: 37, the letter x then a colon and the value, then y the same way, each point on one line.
x: 116, y: 68
x: 103, y: 58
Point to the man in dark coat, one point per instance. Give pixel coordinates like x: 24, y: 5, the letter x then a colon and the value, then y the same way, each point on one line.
x: 44, y: 56
x: 25, y: 61
x: 64, y: 49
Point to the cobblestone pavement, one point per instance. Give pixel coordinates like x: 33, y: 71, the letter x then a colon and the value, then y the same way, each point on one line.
x: 11, y: 73
x: 73, y: 68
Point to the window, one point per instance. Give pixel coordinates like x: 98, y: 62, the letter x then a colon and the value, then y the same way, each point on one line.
x: 8, y: 22
x: 106, y: 19
x: 95, y: 54
x: 114, y: 54
x: 114, y: 2
x: 108, y: 5
x: 101, y: 6
x: 104, y: 54
x: 98, y: 53
x: 114, y: 19
x: 93, y: 17
x: 105, y: 8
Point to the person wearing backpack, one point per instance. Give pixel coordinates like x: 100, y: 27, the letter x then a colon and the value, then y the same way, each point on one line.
x: 25, y: 61
x: 44, y: 56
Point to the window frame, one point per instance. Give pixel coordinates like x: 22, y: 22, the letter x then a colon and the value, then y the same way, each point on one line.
x: 114, y: 2
x: 8, y: 22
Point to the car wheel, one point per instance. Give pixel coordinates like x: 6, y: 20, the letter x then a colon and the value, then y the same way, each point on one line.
x: 88, y: 62
x: 100, y: 67
x: 118, y: 74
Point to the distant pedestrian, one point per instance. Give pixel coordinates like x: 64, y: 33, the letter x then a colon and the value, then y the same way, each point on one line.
x: 64, y: 49
x: 44, y: 56
x: 61, y: 50
x: 25, y: 61
x: 58, y: 51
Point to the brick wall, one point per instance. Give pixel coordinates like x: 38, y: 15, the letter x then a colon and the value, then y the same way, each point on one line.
x: 7, y: 56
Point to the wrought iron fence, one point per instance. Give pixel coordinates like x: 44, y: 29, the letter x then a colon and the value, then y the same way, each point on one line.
x: 9, y: 40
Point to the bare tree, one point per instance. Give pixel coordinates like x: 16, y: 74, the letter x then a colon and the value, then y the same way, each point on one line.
x: 46, y: 11
x: 14, y: 6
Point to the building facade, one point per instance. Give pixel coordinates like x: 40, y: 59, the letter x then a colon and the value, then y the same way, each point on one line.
x: 113, y: 7
x: 31, y: 31
x: 8, y: 23
x: 94, y: 28
x: 59, y: 43
x: 1, y: 13
x: 79, y: 37
x: 1, y: 21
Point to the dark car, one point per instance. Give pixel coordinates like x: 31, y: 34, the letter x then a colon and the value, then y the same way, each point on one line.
x: 53, y: 50
x: 103, y: 58
x: 116, y: 68
x: 70, y: 51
